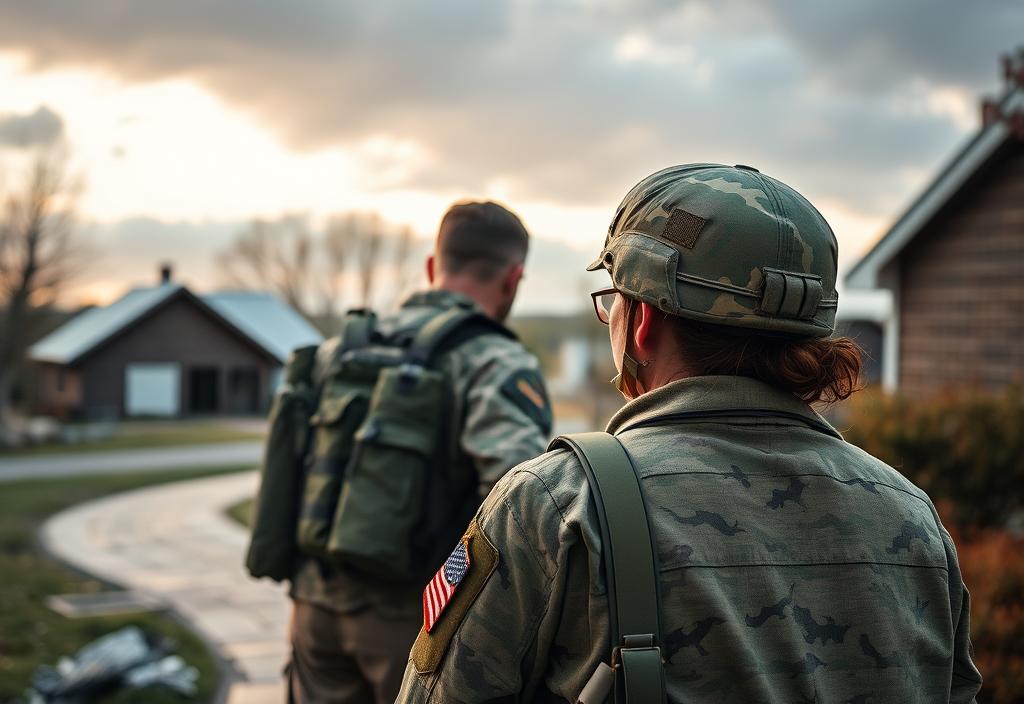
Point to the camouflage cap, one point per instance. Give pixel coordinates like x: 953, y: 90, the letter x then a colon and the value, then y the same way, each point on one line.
x: 726, y: 245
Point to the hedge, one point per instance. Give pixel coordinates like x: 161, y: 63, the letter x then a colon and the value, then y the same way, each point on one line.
x: 966, y: 449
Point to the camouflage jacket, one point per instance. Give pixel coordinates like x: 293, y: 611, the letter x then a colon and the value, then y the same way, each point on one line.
x: 794, y: 567
x: 503, y: 418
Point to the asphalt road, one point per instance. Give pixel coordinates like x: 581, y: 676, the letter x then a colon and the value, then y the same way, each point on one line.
x: 114, y: 462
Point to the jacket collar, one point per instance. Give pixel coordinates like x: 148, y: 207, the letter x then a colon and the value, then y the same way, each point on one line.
x: 438, y: 298
x: 716, y: 396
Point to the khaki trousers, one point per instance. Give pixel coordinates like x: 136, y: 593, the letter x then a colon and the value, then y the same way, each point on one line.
x: 356, y: 658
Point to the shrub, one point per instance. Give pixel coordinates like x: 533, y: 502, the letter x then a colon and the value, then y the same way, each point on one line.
x: 966, y: 449
x: 992, y: 563
x: 963, y: 446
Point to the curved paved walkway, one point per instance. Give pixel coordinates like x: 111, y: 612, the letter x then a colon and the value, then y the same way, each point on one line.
x: 143, y: 459
x: 174, y: 542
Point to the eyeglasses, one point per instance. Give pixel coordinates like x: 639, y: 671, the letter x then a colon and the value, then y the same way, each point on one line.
x: 603, y: 302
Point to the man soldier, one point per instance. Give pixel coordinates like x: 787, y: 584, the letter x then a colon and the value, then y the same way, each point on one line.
x: 350, y: 631
x: 787, y: 565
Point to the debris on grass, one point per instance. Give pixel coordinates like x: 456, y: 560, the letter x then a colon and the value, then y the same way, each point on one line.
x: 123, y: 659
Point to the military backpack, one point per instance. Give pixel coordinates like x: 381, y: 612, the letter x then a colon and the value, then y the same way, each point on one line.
x: 377, y: 489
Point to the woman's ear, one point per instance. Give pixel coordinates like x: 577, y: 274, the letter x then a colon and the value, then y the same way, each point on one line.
x: 430, y: 269
x: 644, y: 330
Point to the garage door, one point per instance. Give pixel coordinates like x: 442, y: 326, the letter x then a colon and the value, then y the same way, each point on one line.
x: 152, y: 390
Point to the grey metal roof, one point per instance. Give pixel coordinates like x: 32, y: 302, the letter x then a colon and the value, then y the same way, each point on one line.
x: 84, y: 332
x: 981, y: 147
x: 266, y: 319
x: 262, y: 317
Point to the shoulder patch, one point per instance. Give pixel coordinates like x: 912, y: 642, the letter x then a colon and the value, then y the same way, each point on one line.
x: 481, y: 558
x: 525, y: 389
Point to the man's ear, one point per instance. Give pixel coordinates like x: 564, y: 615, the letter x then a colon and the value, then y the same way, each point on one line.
x: 430, y: 269
x: 645, y: 329
x: 510, y: 282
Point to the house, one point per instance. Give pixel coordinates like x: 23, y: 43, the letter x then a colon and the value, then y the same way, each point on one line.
x: 953, y: 264
x: 865, y: 316
x: 165, y: 351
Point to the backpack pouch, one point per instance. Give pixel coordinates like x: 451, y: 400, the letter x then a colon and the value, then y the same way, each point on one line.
x: 382, y: 503
x: 271, y: 550
x: 341, y: 410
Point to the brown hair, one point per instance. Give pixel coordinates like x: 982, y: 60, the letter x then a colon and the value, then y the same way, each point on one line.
x: 481, y: 239
x: 817, y: 369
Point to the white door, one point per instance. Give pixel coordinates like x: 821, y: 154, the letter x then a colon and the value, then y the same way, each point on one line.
x: 152, y: 389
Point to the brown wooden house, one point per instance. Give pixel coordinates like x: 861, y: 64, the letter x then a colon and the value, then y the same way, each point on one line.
x: 954, y: 263
x: 164, y: 351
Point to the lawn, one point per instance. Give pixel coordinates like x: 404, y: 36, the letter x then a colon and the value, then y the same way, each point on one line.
x: 241, y: 512
x: 32, y: 634
x: 137, y: 435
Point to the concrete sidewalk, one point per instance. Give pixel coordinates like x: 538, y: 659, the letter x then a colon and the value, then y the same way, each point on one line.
x: 64, y: 465
x: 174, y: 542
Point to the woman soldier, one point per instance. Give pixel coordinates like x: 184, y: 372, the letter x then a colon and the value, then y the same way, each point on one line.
x: 791, y: 566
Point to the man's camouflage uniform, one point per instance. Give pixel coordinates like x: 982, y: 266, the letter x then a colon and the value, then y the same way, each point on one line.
x: 793, y: 567
x: 348, y: 628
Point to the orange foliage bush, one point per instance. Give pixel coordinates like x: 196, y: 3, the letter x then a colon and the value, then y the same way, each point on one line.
x: 965, y: 446
x: 992, y: 563
x: 966, y: 449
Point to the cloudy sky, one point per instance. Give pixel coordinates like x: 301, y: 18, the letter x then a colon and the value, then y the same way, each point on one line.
x: 187, y: 118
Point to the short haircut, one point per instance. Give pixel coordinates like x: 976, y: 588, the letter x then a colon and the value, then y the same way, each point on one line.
x: 482, y: 239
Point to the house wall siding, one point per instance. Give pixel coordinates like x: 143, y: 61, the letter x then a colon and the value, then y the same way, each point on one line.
x: 962, y: 288
x: 177, y: 332
x: 55, y: 395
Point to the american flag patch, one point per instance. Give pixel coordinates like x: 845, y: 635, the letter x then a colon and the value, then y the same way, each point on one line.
x: 441, y: 588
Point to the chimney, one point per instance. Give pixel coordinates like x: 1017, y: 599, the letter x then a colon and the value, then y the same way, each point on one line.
x: 1013, y: 68
x: 165, y: 273
x: 990, y: 112
x: 1013, y: 77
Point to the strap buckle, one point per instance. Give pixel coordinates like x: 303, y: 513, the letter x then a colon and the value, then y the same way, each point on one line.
x: 640, y: 665
x: 789, y: 294
x: 409, y: 374
x: 634, y: 643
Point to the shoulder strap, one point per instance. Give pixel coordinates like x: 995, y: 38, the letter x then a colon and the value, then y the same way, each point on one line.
x: 356, y: 331
x: 357, y: 328
x: 630, y: 569
x: 438, y: 331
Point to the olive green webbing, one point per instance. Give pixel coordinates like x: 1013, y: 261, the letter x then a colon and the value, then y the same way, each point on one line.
x: 437, y: 331
x: 357, y: 328
x: 630, y: 569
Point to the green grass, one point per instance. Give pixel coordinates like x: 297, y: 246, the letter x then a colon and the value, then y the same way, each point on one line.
x: 30, y: 633
x: 142, y: 435
x: 241, y: 512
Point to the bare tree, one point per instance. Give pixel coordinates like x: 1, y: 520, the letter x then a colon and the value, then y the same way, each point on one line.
x: 368, y: 242
x: 336, y: 257
x: 402, y: 260
x: 314, y: 271
x: 37, y: 257
x: 367, y: 238
x: 279, y: 256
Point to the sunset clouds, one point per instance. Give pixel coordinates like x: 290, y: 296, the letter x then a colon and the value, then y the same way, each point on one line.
x: 557, y: 107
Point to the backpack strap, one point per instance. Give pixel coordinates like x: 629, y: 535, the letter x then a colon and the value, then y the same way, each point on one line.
x: 357, y: 329
x: 438, y: 332
x: 630, y: 569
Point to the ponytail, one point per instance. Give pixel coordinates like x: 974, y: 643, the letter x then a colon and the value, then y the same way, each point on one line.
x: 814, y: 369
